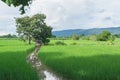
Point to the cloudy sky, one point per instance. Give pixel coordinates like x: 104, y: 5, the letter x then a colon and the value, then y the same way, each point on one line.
x: 66, y: 14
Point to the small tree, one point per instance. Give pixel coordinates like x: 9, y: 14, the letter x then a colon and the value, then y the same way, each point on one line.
x: 104, y: 36
x: 75, y: 37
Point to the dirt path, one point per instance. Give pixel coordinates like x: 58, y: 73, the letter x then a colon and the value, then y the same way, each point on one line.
x: 43, y: 72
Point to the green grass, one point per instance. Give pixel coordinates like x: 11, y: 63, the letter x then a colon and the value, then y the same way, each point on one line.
x: 88, y: 60
x: 13, y: 65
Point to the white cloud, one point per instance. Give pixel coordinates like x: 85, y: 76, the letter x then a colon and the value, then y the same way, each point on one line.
x: 64, y: 14
x: 67, y: 14
x: 7, y: 23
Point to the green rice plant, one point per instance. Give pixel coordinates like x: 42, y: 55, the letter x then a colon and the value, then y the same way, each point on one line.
x: 87, y: 61
x: 13, y: 64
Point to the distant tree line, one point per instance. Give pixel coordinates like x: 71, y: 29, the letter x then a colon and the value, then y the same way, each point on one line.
x: 8, y: 36
x: 117, y: 35
x: 103, y: 36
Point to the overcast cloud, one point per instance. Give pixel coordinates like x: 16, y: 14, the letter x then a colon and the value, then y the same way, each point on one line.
x: 66, y: 14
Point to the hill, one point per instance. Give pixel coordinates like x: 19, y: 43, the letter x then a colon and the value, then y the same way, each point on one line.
x: 113, y: 30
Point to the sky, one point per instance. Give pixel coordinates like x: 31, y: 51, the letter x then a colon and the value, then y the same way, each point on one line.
x: 65, y: 14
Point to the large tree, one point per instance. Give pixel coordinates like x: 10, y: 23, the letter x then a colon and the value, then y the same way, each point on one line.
x: 34, y: 28
x: 16, y: 3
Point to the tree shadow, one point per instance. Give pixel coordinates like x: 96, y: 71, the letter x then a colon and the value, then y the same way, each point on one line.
x: 98, y: 67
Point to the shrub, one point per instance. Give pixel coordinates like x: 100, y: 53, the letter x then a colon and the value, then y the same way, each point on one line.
x: 75, y: 37
x: 74, y: 43
x: 60, y: 43
x: 46, y: 41
x: 104, y: 36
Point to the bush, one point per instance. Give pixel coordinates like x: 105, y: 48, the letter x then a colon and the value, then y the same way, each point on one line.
x: 104, y: 36
x: 46, y: 41
x: 60, y: 43
x: 74, y: 43
x: 75, y: 37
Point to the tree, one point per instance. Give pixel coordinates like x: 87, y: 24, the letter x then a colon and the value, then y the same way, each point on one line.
x: 75, y: 37
x: 104, y: 36
x: 34, y: 28
x: 40, y: 30
x: 16, y: 3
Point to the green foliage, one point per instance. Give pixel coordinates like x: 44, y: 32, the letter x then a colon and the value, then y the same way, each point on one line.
x: 24, y: 28
x: 104, y: 36
x: 117, y: 35
x: 41, y: 31
x: 33, y: 27
x: 59, y: 43
x: 75, y: 37
x: 16, y: 3
x: 46, y: 41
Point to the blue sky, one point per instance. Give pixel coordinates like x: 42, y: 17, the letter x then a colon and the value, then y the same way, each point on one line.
x: 66, y: 14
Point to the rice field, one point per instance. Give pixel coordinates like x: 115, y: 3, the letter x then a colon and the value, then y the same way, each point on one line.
x: 13, y: 64
x: 87, y: 60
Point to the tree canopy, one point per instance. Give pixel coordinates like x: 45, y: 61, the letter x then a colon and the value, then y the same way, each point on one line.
x: 33, y: 28
x: 24, y: 28
x: 16, y: 3
x: 105, y: 36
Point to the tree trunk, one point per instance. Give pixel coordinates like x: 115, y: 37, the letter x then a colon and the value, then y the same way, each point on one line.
x: 38, y: 45
x: 29, y: 41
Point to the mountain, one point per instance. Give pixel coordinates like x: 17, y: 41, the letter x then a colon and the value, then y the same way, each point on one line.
x: 113, y: 30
